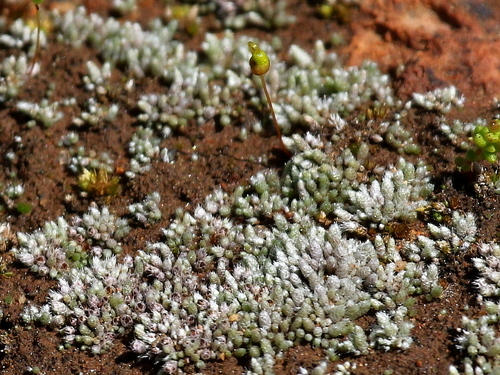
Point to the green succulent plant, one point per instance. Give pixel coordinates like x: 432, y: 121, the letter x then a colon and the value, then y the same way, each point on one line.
x: 487, y: 146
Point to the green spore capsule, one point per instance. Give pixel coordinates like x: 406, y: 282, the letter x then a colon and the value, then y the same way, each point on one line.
x: 259, y: 62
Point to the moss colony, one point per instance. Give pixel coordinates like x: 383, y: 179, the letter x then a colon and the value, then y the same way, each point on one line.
x: 290, y: 258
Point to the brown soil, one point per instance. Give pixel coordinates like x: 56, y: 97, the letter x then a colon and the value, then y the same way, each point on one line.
x: 422, y: 44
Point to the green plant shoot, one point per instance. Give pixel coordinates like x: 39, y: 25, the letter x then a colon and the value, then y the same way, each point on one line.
x: 37, y: 45
x: 260, y: 64
x: 487, y: 146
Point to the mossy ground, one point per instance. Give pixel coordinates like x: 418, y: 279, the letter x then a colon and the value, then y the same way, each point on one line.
x: 422, y: 44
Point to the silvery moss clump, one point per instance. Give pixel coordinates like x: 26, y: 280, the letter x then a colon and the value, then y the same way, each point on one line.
x: 146, y: 212
x: 12, y: 190
x: 318, y: 279
x: 6, y: 236
x: 333, y: 186
x: 166, y: 112
x: 123, y: 6
x: 458, y: 238
x: 59, y: 246
x: 20, y: 36
x: 15, y: 68
x: 256, y: 272
x: 124, y: 44
x: 96, y: 114
x: 143, y: 147
x: 13, y: 74
x: 267, y: 14
x: 397, y: 135
x: 478, y: 338
x: 479, y: 342
x: 78, y: 158
x: 343, y: 369
x: 441, y: 100
x: 246, y: 13
x: 45, y: 113
x: 97, y: 78
x: 10, y: 195
x: 488, y: 265
x: 92, y: 305
x: 458, y: 131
